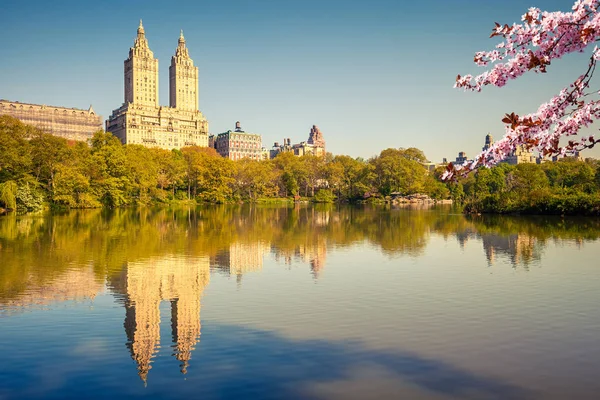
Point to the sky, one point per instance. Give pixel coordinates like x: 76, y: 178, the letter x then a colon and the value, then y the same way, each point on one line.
x: 371, y: 74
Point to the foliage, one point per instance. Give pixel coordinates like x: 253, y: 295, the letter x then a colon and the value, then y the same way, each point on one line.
x: 110, y: 175
x: 565, y: 187
x: 8, y: 194
x: 531, y: 46
x: 398, y: 170
x: 324, y: 196
x: 29, y: 197
x: 254, y: 180
x: 15, y: 153
x: 38, y: 168
x: 72, y: 188
x: 352, y: 178
x: 48, y: 153
x: 105, y: 173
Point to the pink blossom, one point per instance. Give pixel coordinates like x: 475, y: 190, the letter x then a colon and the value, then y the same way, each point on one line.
x: 531, y: 46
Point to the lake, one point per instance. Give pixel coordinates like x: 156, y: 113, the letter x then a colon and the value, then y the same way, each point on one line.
x: 286, y: 302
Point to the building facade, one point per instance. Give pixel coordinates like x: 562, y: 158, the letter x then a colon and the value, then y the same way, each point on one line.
x: 521, y: 155
x: 69, y: 123
x: 314, y: 145
x: 461, y: 159
x: 141, y: 120
x: 316, y: 141
x: 238, y: 144
x: 280, y: 148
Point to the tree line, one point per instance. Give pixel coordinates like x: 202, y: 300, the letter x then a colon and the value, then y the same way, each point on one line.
x: 566, y: 187
x: 37, y: 168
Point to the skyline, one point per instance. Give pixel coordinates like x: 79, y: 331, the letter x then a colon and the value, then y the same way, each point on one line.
x: 370, y: 77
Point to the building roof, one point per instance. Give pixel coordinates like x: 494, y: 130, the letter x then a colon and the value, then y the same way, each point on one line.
x: 90, y: 110
x: 238, y: 133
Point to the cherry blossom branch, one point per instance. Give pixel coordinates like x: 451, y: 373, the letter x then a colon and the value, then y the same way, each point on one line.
x: 543, y: 36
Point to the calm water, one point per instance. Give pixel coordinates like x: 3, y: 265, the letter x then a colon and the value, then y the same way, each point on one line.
x: 301, y: 302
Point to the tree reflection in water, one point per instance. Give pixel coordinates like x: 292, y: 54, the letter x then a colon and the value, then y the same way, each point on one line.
x: 145, y: 256
x: 37, y: 250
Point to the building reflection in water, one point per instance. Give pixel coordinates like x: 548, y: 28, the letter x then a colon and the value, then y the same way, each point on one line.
x: 464, y: 235
x: 179, y: 280
x: 520, y: 248
x: 315, y: 254
x: 240, y: 258
x: 78, y: 284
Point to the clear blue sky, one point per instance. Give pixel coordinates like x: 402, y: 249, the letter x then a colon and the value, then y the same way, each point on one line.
x: 371, y: 74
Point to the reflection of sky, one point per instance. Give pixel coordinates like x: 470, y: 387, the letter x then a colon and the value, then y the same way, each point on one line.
x: 439, y: 324
x: 237, y: 362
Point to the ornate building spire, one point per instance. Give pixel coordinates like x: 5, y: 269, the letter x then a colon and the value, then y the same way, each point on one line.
x: 489, y: 141
x: 183, y: 79
x: 181, y: 53
x: 140, y: 41
x: 141, y: 72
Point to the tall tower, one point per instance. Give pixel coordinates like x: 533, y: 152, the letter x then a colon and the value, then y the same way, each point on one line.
x: 141, y: 73
x: 183, y: 79
x: 489, y: 141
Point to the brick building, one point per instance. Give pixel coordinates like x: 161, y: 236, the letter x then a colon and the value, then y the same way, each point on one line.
x: 238, y: 144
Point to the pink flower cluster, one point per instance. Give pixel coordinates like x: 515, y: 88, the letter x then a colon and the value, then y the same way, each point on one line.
x: 531, y: 45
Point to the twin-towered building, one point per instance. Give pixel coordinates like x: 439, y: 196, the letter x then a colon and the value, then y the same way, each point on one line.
x: 141, y: 120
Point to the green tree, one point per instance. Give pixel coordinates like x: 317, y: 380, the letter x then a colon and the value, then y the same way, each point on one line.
x: 313, y: 168
x: 254, y: 179
x: 413, y: 154
x: 142, y: 169
x: 108, y: 170
x: 398, y: 170
x: 171, y: 169
x: 289, y: 172
x: 15, y: 151
x: 48, y: 153
x: 194, y: 157
x: 72, y: 188
x: 570, y: 175
x: 355, y: 178
x: 209, y: 176
x: 8, y: 194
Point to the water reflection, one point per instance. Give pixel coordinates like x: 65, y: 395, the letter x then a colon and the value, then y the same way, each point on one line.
x: 521, y: 249
x: 240, y: 258
x: 144, y: 284
x: 37, y: 250
x: 74, y: 284
x: 151, y: 260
